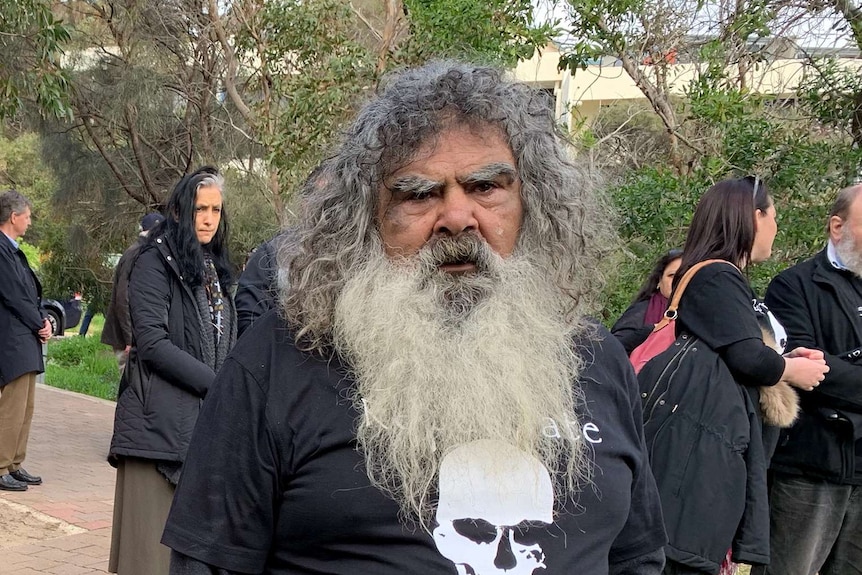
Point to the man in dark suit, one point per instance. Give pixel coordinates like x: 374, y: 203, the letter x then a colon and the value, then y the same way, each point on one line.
x: 118, y: 327
x: 23, y: 330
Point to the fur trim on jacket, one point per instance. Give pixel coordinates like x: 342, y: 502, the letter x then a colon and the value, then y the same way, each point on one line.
x: 779, y: 404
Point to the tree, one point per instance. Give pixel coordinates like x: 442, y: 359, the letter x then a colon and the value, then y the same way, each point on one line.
x: 258, y: 88
x: 31, y: 43
x: 69, y: 261
x: 833, y: 94
x: 144, y: 88
x: 293, y: 71
x: 726, y: 40
x: 635, y: 31
x: 494, y: 31
x: 262, y: 86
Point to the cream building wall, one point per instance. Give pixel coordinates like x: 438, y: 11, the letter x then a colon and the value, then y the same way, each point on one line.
x: 580, y: 96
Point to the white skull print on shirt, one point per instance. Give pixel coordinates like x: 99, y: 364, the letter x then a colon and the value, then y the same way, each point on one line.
x: 492, y: 497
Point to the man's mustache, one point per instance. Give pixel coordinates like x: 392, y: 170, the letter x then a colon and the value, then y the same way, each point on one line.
x: 466, y: 248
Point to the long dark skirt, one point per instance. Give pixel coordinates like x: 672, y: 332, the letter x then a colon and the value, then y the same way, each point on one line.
x: 141, y: 503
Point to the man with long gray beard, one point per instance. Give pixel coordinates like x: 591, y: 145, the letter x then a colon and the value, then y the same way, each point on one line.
x: 816, y: 493
x: 429, y: 398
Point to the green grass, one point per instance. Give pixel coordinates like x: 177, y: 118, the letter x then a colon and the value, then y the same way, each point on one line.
x: 83, y: 364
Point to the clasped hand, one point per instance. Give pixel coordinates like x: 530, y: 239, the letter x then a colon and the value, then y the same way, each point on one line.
x: 804, y: 368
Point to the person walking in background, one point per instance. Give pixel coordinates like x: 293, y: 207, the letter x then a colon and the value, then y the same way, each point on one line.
x: 702, y: 418
x: 23, y: 330
x: 648, y: 306
x: 816, y: 490
x: 85, y: 321
x: 183, y: 325
x: 117, y: 332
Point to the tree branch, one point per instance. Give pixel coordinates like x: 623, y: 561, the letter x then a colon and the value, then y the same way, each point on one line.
x: 853, y: 15
x: 232, y: 65
x: 658, y: 99
x: 393, y: 11
x: 111, y: 165
x: 365, y: 21
x: 135, y: 141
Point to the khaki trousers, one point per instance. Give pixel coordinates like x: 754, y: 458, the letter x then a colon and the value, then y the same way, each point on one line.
x: 17, y: 399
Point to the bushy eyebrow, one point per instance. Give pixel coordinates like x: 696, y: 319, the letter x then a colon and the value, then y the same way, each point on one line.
x: 413, y: 185
x: 417, y: 185
x: 490, y: 173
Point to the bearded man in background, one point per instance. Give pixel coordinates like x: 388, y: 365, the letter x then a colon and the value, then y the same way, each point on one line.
x: 815, y: 497
x: 429, y: 398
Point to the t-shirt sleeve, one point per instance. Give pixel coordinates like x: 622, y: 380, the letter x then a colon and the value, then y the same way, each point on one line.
x: 753, y: 363
x: 646, y: 564
x: 717, y: 307
x: 184, y: 565
x: 223, y: 512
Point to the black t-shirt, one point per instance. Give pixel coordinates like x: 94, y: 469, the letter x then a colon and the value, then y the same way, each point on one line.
x: 719, y: 307
x: 274, y: 483
x: 716, y: 306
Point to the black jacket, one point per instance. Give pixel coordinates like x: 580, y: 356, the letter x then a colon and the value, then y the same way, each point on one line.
x: 118, y: 327
x: 630, y: 329
x: 256, y: 289
x: 165, y: 378
x: 20, y: 317
x: 821, y: 308
x: 703, y: 437
x: 703, y: 429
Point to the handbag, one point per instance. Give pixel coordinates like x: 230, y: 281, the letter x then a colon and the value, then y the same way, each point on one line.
x: 664, y: 333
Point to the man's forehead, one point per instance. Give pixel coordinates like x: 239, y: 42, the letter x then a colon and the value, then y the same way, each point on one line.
x: 854, y: 211
x: 857, y: 196
x: 459, y: 143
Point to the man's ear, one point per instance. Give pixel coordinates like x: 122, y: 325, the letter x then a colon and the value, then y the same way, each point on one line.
x: 836, y: 225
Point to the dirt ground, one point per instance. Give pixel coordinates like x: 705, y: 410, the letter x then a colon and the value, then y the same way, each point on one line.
x: 20, y: 525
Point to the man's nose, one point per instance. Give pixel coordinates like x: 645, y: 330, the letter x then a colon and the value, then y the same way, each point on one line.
x: 457, y: 214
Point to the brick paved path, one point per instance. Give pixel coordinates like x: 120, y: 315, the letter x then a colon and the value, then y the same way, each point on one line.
x: 68, y: 443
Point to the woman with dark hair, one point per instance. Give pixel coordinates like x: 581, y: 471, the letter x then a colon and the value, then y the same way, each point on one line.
x: 707, y: 398
x: 183, y: 325
x: 648, y: 306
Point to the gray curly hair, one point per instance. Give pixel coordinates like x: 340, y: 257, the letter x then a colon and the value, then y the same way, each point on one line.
x: 564, y: 232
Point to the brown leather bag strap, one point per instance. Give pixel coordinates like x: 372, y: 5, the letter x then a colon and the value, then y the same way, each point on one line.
x: 670, y: 313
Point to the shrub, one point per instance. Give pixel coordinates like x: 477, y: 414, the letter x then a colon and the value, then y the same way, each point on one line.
x: 83, y: 365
